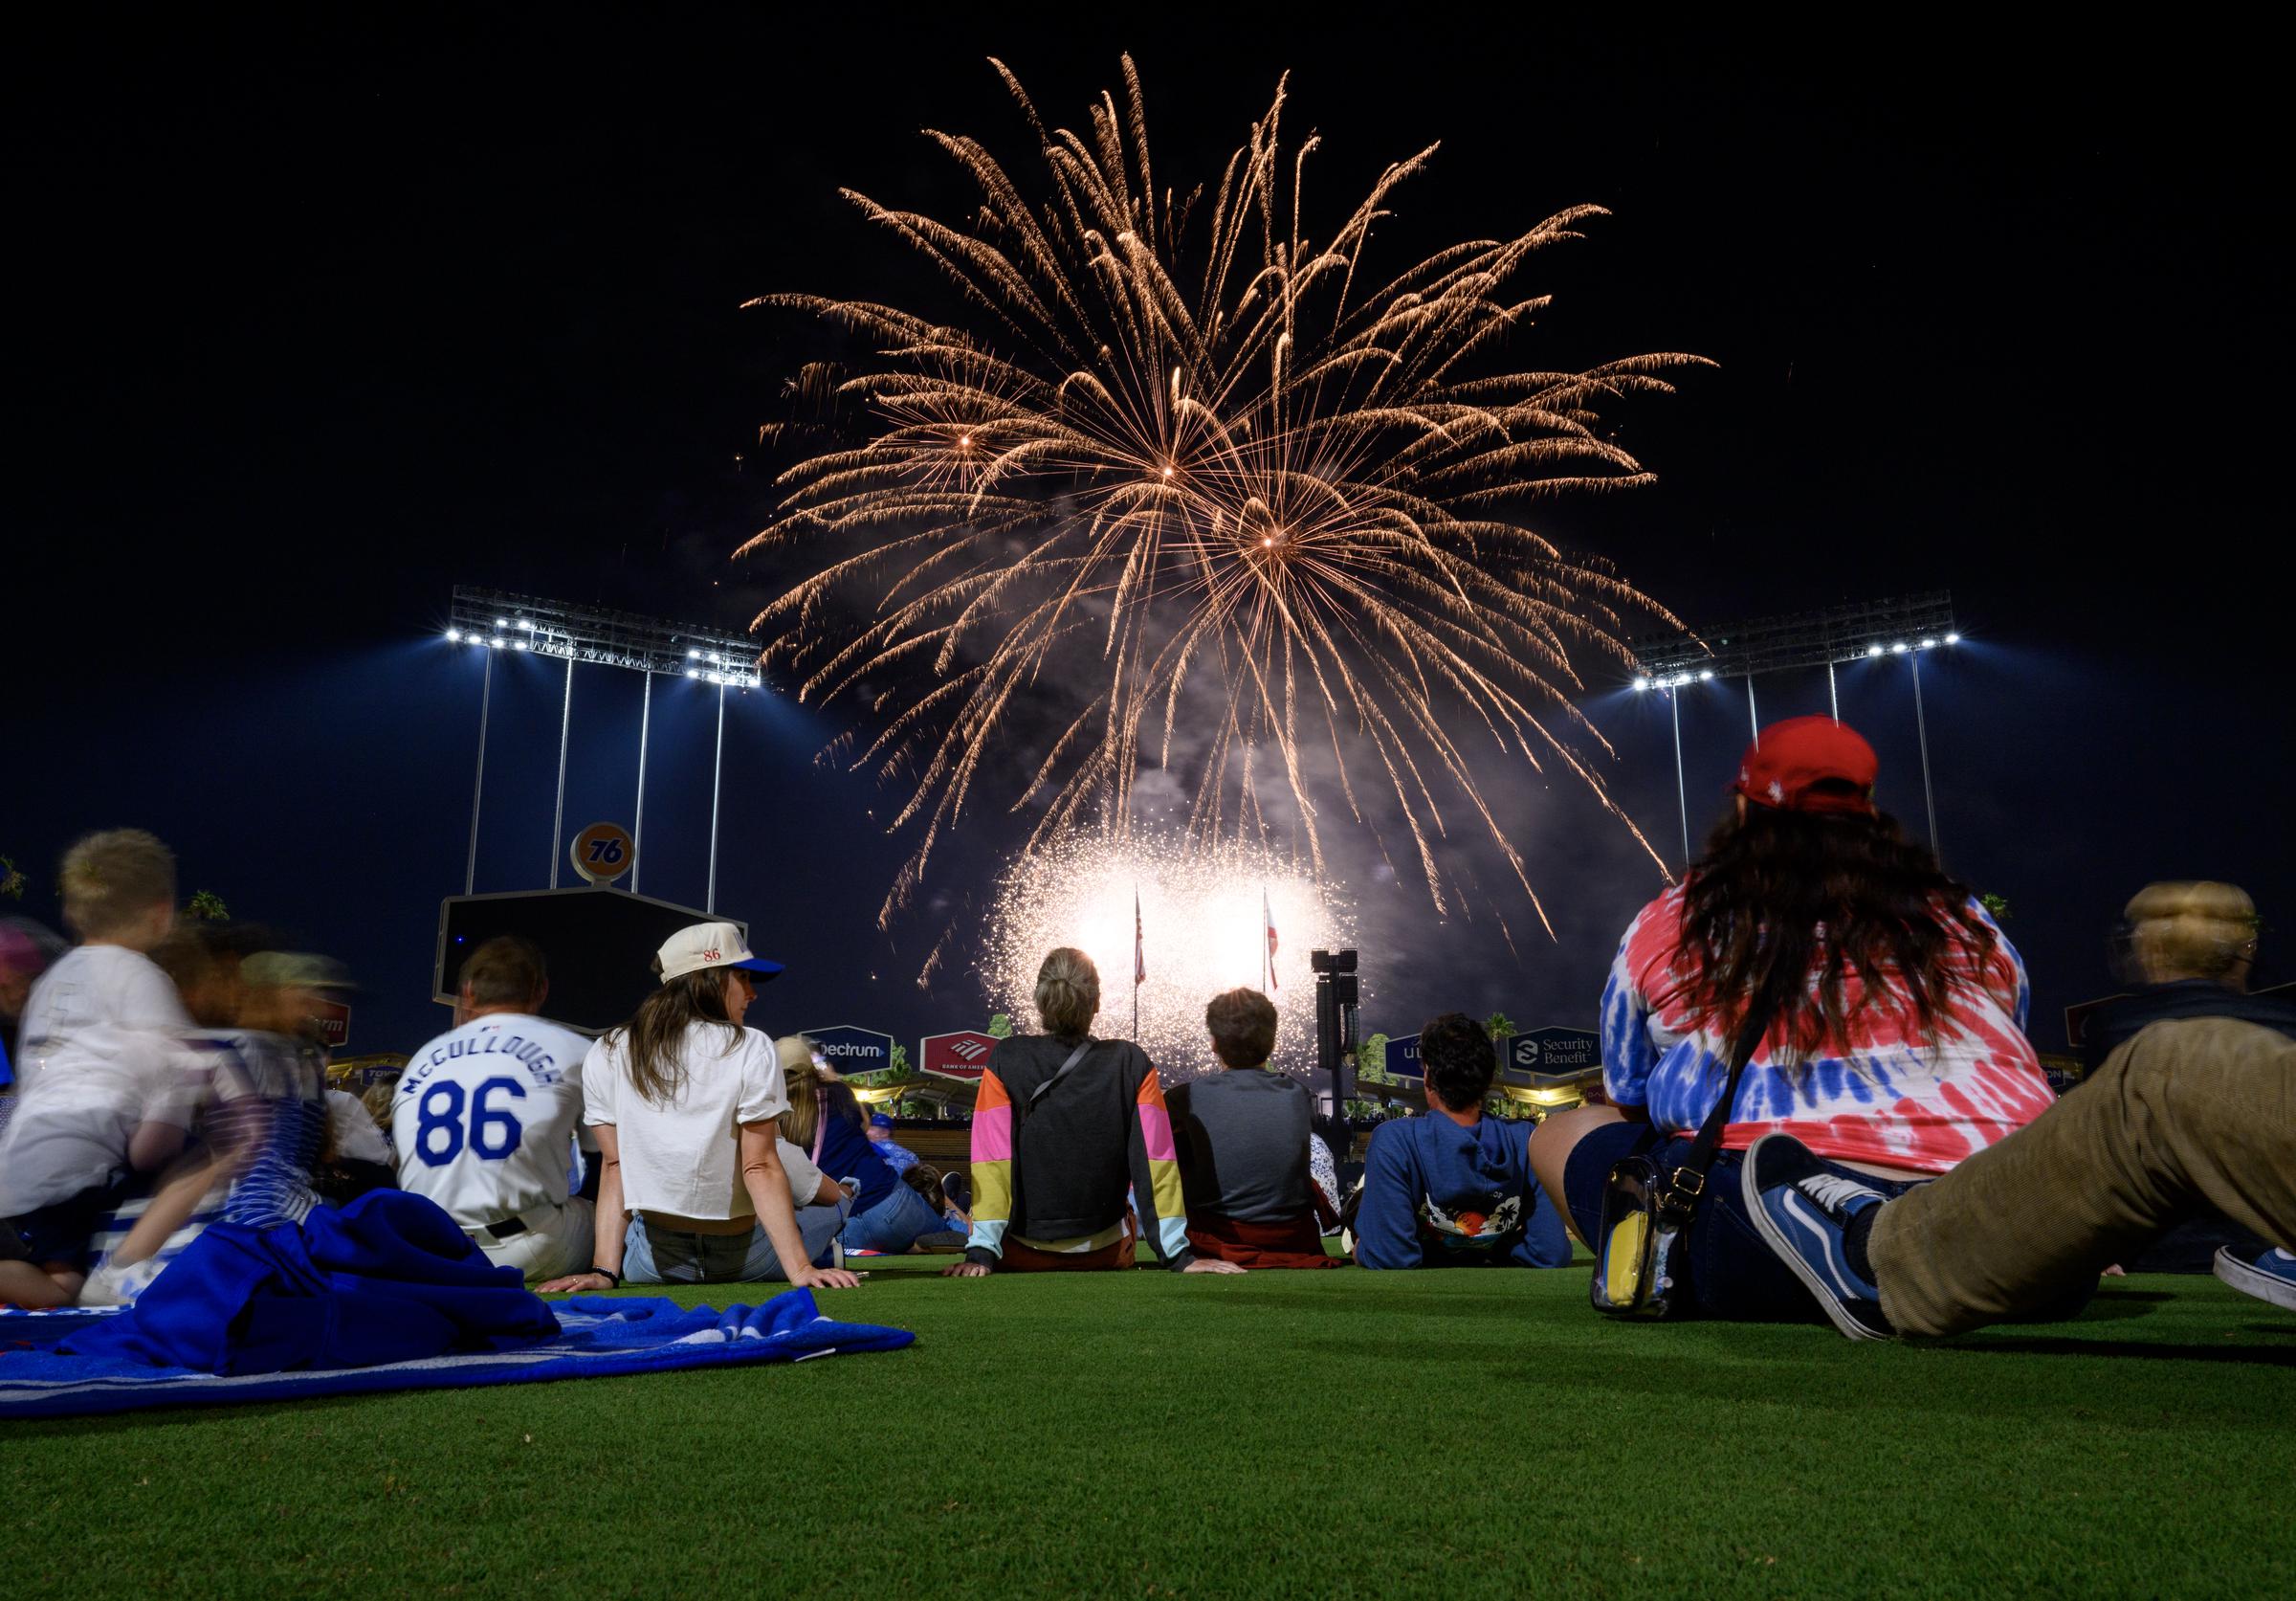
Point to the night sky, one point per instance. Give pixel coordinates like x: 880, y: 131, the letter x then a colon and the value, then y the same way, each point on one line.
x: 316, y: 319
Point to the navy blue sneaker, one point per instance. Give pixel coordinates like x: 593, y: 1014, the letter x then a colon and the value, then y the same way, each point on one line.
x: 2269, y: 1276
x: 1802, y: 1206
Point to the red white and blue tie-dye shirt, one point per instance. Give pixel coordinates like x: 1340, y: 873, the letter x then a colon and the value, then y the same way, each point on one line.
x: 1882, y: 1095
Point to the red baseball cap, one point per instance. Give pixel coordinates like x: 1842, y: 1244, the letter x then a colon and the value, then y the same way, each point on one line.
x: 1787, y: 764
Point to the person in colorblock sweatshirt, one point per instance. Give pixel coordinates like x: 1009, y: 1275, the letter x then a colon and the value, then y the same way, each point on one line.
x: 1064, y: 1125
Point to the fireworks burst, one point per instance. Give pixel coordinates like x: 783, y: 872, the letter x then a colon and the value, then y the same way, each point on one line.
x: 1222, y: 495
x: 1202, y: 931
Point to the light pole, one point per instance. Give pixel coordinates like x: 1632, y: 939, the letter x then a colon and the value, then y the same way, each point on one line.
x: 486, y: 697
x: 566, y: 725
x: 716, y: 781
x: 637, y: 831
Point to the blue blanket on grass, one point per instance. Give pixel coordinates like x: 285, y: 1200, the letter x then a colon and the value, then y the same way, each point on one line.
x: 385, y: 1294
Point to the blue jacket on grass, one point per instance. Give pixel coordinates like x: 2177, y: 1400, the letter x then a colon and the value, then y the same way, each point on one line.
x: 1436, y: 1194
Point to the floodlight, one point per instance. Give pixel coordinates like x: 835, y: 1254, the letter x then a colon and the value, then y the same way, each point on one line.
x: 1873, y: 649
x: 526, y: 623
x: 693, y: 672
x: 693, y: 656
x: 1705, y: 673
x: 1640, y: 685
x: 1898, y: 649
x: 1952, y: 639
x: 517, y: 644
x: 453, y: 637
x: 501, y: 622
x: 493, y: 644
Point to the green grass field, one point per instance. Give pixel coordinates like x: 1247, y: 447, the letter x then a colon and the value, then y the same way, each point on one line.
x: 1460, y: 1433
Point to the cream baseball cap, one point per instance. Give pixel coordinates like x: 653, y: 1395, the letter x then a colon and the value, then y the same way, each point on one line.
x: 710, y: 944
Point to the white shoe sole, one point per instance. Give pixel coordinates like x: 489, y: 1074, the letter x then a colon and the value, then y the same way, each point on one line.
x: 2264, y: 1287
x: 1818, y: 1287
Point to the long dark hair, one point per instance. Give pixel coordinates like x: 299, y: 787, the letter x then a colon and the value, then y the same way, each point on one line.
x: 1780, y: 894
x: 658, y: 1035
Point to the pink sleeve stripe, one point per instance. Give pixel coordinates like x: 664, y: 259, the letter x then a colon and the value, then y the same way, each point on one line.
x: 1156, y: 1132
x: 992, y: 1135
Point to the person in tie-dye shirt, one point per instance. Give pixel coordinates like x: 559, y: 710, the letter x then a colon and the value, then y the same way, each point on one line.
x: 1897, y: 1044
x: 1054, y: 1155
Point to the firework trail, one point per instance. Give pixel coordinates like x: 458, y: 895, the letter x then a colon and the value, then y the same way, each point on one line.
x: 1223, y: 494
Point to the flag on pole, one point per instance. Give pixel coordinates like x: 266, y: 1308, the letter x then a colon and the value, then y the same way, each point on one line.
x: 1268, y: 916
x: 1139, y: 945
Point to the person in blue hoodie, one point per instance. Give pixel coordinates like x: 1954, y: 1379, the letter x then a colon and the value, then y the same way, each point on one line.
x: 1454, y: 1189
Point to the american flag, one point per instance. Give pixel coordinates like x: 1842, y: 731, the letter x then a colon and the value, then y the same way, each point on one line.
x: 1268, y: 918
x: 1139, y: 945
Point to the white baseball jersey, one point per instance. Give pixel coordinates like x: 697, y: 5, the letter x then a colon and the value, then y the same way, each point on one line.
x: 483, y: 1118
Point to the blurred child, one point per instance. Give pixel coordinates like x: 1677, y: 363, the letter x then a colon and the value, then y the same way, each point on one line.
x: 109, y: 1095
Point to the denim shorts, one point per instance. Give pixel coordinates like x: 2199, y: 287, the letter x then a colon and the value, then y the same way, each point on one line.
x: 893, y: 1224
x: 1728, y: 1270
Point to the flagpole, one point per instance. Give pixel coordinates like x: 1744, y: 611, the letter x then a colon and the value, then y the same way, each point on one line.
x: 1137, y: 955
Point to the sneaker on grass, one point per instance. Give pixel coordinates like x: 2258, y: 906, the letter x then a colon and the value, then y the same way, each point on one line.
x: 1803, y: 1209
x: 2269, y: 1276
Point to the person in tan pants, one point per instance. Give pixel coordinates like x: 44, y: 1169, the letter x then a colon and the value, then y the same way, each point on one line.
x: 2191, y: 1111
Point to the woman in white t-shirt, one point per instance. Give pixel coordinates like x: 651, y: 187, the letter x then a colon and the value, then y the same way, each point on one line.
x: 684, y: 1100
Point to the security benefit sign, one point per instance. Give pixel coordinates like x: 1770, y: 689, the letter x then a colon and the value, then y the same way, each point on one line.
x: 1552, y: 1053
x: 960, y: 1054
x: 852, y: 1050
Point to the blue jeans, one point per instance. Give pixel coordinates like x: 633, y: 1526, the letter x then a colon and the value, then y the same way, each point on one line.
x: 657, y: 1256
x: 893, y: 1224
x: 1728, y: 1270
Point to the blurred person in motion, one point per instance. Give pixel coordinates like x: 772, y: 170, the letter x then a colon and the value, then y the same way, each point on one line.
x: 824, y: 1120
x: 1067, y: 1131
x: 890, y: 1151
x: 118, y: 893
x: 1455, y: 1188
x: 483, y: 1117
x: 2186, y: 949
x: 1245, y: 1147
x: 106, y: 1100
x: 1893, y: 1012
x: 685, y: 1100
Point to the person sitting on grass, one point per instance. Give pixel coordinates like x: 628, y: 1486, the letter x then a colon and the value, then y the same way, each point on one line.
x: 684, y: 1101
x: 824, y: 1126
x: 2191, y: 1112
x: 1243, y: 1138
x: 889, y: 1150
x: 1064, y: 1123
x: 1454, y: 1189
x: 1895, y: 1046
x: 107, y: 1097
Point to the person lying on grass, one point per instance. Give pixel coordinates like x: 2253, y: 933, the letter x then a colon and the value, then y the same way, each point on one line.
x: 1064, y: 1125
x: 1454, y: 1189
x: 1895, y: 1046
x: 684, y: 1100
x: 1243, y: 1138
x: 2197, y: 1111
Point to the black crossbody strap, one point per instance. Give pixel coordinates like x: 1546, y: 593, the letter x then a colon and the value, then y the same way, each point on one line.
x: 1688, y: 1183
x: 1062, y: 1071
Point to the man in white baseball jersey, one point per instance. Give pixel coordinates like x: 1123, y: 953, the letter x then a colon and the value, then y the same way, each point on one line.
x: 483, y: 1118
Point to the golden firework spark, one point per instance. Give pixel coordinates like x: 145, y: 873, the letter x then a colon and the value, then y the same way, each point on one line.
x: 1217, y: 491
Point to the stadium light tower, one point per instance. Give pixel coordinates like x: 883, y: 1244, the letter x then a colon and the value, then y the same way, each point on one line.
x: 1906, y: 625
x: 490, y: 620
